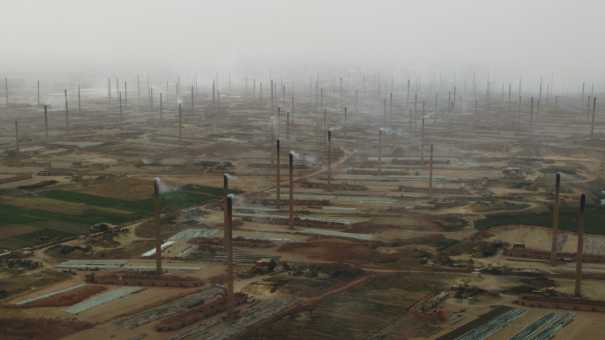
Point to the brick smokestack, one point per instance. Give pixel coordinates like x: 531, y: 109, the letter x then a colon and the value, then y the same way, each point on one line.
x: 228, y: 235
x: 422, y: 142
x: 531, y: 114
x: 6, y: 90
x: 329, y: 160
x: 66, y: 112
x: 384, y: 109
x: 288, y: 126
x: 555, y: 221
x: 79, y: 99
x: 431, y: 170
x: 379, y: 151
x: 580, y: 251
x: 192, y: 99
x: 277, y: 173
x: 157, y: 212
x: 291, y: 189
x: 161, y: 105
x: 226, y: 183
x: 121, y: 111
x: 594, y: 113
x: 46, y: 122
x: 17, y: 138
x: 180, y: 122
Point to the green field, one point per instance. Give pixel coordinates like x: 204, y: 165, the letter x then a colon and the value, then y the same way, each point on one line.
x: 594, y: 220
x: 52, y: 225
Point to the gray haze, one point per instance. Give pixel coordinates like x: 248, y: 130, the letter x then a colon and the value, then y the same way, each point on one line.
x: 561, y: 39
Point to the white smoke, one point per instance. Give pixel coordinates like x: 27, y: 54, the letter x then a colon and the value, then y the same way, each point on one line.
x: 163, y: 187
x: 391, y: 131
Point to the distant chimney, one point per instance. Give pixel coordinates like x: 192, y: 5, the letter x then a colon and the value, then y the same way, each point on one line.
x: 329, y: 160
x: 66, y: 112
x: 17, y: 138
x: 431, y: 170
x: 79, y: 99
x: 580, y: 251
x: 228, y: 236
x: 555, y: 221
x: 594, y: 113
x: 277, y: 173
x: 157, y: 217
x: 180, y: 122
x: 46, y: 122
x: 291, y: 189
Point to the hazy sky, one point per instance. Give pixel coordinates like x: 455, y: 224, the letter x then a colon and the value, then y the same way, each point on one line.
x: 504, y: 38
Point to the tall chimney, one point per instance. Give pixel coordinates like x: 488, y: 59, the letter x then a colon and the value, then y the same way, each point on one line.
x: 580, y: 251
x: 180, y: 122
x: 594, y: 112
x: 120, y: 106
x: 325, y: 122
x: 272, y: 94
x: 228, y: 235
x: 6, y: 90
x: 192, y: 99
x: 157, y: 212
x: 46, y: 121
x: 431, y: 170
x: 422, y: 142
x: 531, y: 114
x: 213, y: 94
x: 161, y: 105
x: 379, y: 151
x: 288, y: 126
x: 321, y: 103
x: 38, y: 93
x: 329, y: 160
x: 555, y: 221
x: 66, y: 112
x: 278, y: 116
x: 277, y: 173
x: 415, y: 107
x: 126, y: 93
x: 357, y: 101
x: 17, y: 138
x: 138, y: 90
x: 384, y: 109
x: 519, y: 113
x: 226, y: 183
x: 291, y: 189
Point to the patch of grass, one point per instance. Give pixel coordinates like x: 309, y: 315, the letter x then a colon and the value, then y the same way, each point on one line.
x: 35, y: 237
x: 17, y: 215
x: 594, y: 220
x: 53, y: 225
x: 140, y: 207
